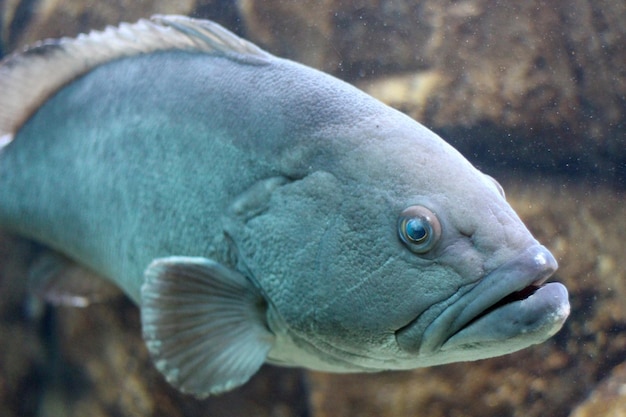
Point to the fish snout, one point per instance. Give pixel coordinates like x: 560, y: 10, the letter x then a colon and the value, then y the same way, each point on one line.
x: 543, y: 263
x: 510, y: 308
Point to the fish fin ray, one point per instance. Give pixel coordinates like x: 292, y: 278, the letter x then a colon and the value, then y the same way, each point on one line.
x: 29, y: 78
x: 58, y: 280
x: 214, y: 38
x: 203, y: 357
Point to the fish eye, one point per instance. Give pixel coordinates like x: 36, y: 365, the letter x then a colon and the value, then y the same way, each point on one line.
x: 419, y: 228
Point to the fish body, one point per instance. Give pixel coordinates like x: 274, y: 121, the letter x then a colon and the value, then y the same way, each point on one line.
x: 258, y: 210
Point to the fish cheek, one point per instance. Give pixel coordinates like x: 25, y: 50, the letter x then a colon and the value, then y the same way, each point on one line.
x: 275, y: 240
x: 328, y: 264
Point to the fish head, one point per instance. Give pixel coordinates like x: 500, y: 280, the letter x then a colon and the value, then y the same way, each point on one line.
x: 396, y: 254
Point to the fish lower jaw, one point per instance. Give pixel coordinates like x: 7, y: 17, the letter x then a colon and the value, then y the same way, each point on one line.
x: 519, y: 295
x: 503, y: 330
x: 509, y: 309
x: 514, y: 325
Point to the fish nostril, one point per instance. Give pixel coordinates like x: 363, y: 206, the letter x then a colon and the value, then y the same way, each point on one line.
x: 545, y: 263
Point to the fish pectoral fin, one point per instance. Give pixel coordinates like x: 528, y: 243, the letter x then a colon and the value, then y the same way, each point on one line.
x: 204, y: 324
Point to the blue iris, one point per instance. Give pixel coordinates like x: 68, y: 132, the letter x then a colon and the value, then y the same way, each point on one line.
x: 416, y: 230
x: 419, y: 228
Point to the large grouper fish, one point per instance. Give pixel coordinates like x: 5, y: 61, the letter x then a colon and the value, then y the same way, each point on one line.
x: 257, y: 210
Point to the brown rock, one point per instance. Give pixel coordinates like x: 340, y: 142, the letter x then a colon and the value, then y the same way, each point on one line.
x: 499, y: 57
x: 57, y: 18
x: 608, y: 399
x: 546, y: 74
x: 21, y: 353
x: 299, y: 30
x: 24, y: 22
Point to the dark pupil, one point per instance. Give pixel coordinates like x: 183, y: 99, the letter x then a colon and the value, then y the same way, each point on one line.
x: 415, y: 230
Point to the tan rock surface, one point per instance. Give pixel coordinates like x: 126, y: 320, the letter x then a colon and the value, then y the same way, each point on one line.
x: 23, y: 22
x: 57, y: 18
x: 22, y: 355
x: 608, y: 399
x: 546, y: 74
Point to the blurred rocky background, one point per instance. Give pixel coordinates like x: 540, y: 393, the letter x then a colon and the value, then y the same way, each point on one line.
x: 533, y: 92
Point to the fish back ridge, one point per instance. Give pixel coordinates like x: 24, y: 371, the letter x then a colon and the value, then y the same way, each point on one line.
x: 29, y: 78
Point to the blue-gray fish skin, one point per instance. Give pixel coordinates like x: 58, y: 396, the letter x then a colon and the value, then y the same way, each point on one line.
x: 258, y: 210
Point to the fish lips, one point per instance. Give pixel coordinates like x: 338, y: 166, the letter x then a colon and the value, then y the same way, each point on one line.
x: 507, y: 310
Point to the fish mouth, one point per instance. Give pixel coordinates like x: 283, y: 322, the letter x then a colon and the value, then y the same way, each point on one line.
x: 510, y: 308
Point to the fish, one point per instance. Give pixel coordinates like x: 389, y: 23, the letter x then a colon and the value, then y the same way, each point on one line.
x: 260, y: 211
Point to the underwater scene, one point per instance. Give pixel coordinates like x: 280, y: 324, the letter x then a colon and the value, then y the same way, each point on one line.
x: 387, y: 322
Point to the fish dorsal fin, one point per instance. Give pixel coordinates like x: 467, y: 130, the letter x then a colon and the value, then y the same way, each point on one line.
x: 29, y: 78
x: 204, y: 324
